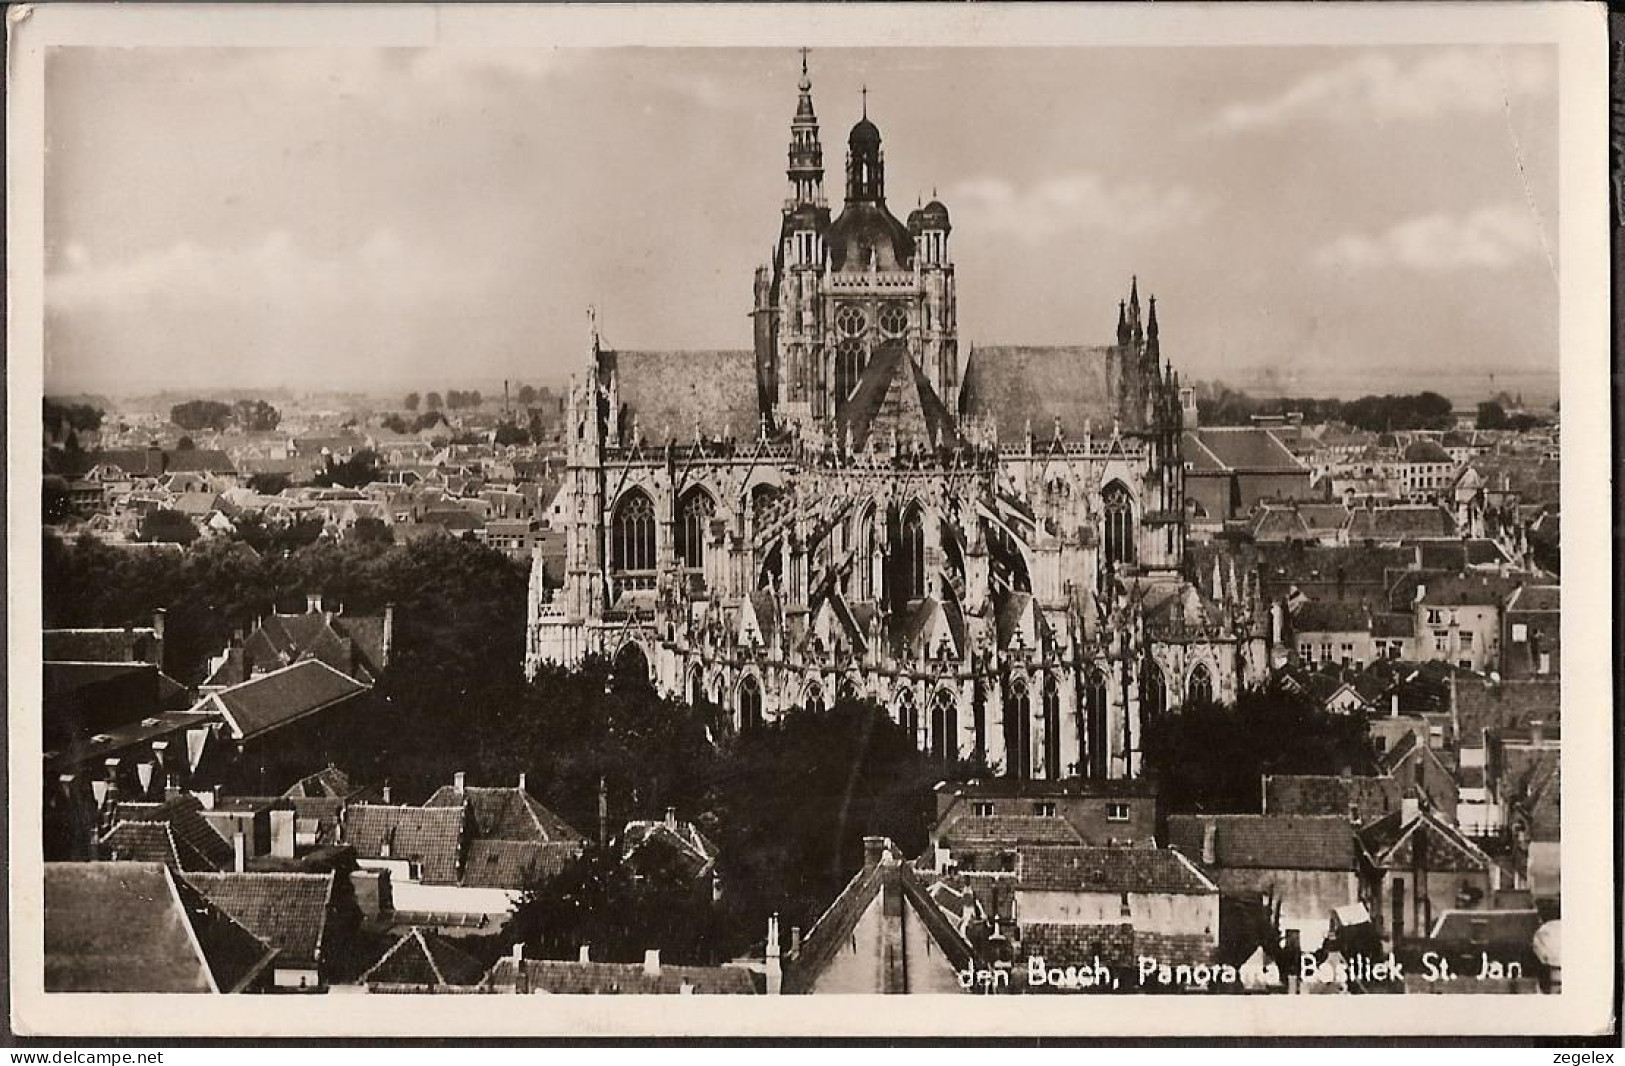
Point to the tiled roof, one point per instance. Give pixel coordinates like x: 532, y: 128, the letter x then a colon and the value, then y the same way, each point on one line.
x: 96, y: 645
x: 327, y: 783
x: 1118, y: 945
x: 1330, y: 794
x: 432, y: 836
x: 140, y: 842
x: 515, y: 864
x: 282, y: 697
x: 1242, y: 449
x: 1268, y: 842
x: 286, y: 910
x: 1330, y: 616
x: 1086, y: 869
x: 1536, y: 598
x: 1500, y: 927
x: 1008, y: 830
x: 1481, y: 705
x: 1425, y: 451
x: 1390, y: 841
x: 197, y: 846
x: 129, y: 927
x: 208, y: 460
x: 1400, y: 523
x: 683, y: 840
x: 618, y: 978
x: 669, y: 392
x: 1021, y: 387
x: 424, y: 959
x: 506, y: 814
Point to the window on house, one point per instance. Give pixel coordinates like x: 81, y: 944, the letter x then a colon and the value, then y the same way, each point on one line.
x: 1441, y: 642
x: 1379, y: 743
x: 1125, y: 907
x: 982, y: 809
x: 1116, y: 812
x: 1435, y: 616
x: 1520, y: 633
x: 1306, y: 652
x: 1466, y: 638
x: 1326, y: 650
x: 1044, y: 810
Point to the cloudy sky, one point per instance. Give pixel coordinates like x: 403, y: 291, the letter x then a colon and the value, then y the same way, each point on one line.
x: 429, y: 218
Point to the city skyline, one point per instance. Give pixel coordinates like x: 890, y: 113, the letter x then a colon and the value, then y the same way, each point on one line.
x: 378, y: 208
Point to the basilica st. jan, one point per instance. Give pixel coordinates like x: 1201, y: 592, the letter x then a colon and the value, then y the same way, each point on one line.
x: 989, y: 543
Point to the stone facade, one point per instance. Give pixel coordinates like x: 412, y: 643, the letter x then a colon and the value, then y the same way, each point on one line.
x: 995, y: 554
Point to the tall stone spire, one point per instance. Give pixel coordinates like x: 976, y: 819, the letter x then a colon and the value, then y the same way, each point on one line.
x: 1152, y: 348
x: 806, y: 170
x: 1136, y: 333
x: 1122, y: 325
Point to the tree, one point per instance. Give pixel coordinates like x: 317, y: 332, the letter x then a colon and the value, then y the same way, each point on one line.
x: 508, y: 433
x: 73, y: 416
x: 428, y: 420
x: 433, y: 401
x: 163, y: 526
x: 255, y: 416
x: 185, y: 444
x: 200, y: 414
x: 56, y: 505
x: 527, y: 395
x: 412, y: 400
x: 358, y: 470
x: 269, y: 484
x: 369, y: 530
x: 1491, y: 415
x: 395, y: 424
x: 1210, y: 758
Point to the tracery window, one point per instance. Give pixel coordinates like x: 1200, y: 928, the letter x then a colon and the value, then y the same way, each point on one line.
x: 850, y: 321
x: 944, y: 728
x: 894, y: 321
x: 750, y: 703
x: 1153, y: 691
x: 1119, y: 509
x: 1199, y: 689
x: 913, y: 555
x: 1052, y: 728
x: 1094, y: 702
x: 908, y: 715
x: 1018, y: 731
x: 694, y: 520
x: 632, y: 533
x: 848, y: 366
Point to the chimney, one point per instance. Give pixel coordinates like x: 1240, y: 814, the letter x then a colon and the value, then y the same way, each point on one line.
x: 873, y: 848
x: 518, y: 953
x: 313, y: 603
x: 158, y: 623
x: 1537, y: 731
x: 685, y: 989
x: 283, y: 833
x: 651, y: 962
x: 521, y: 783
x: 239, y: 849
x: 585, y: 954
x: 386, y: 793
x: 671, y: 817
x: 1210, y: 843
x: 1410, y: 808
x: 775, y: 968
x: 389, y: 633
x: 458, y: 780
x: 795, y: 940
x: 1393, y: 705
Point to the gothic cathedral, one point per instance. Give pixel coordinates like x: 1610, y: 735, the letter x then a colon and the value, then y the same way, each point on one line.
x: 992, y: 548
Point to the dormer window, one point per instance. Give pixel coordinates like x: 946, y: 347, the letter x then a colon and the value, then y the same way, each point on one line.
x: 1117, y: 812
x: 1044, y: 809
x: 982, y: 809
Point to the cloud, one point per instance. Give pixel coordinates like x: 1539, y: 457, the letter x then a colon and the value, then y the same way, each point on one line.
x: 1491, y: 238
x: 1378, y: 87
x: 1069, y: 204
x: 276, y: 272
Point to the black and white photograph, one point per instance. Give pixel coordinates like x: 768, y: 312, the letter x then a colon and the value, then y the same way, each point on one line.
x: 1060, y: 507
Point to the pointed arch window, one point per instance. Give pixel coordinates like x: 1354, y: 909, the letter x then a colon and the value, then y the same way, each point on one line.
x: 1118, y: 506
x: 1094, y: 703
x: 632, y: 533
x: 750, y: 703
x: 908, y: 716
x: 944, y: 727
x: 693, y: 523
x: 911, y: 558
x: 1018, y: 731
x: 1199, y: 689
x: 863, y: 564
x: 848, y: 366
x: 1153, y: 691
x: 1052, y: 728
x: 815, y: 698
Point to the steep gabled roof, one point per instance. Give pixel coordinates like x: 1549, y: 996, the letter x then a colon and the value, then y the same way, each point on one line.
x: 1022, y: 387
x: 515, y: 864
x: 423, y: 959
x: 286, y: 910
x: 432, y: 836
x: 131, y: 927
x: 506, y: 814
x: 194, y: 842
x: 271, y: 701
x: 1268, y: 842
